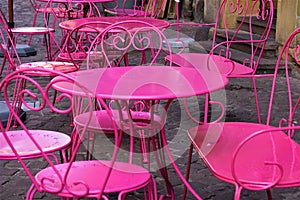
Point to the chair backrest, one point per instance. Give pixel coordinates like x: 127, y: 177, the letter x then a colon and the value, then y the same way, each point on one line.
x: 287, y: 58
x: 244, y: 33
x: 129, y: 43
x: 43, y: 93
x: 138, y: 8
x: 73, y: 10
x: 78, y: 41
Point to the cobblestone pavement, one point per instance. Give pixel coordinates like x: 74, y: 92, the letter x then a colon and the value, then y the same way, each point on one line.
x: 240, y: 106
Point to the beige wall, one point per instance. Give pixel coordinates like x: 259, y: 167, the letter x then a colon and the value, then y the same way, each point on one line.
x: 287, y: 19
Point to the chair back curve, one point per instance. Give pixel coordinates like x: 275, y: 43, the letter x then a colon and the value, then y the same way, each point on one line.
x: 288, y: 58
x: 242, y: 31
x: 131, y: 43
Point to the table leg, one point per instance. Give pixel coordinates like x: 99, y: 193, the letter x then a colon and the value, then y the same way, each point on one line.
x: 164, y: 143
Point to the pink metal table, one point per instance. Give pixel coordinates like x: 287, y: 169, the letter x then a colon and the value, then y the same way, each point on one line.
x: 69, y: 25
x: 148, y: 83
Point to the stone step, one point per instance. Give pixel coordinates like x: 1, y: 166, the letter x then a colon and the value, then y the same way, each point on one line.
x: 265, y: 65
x: 270, y: 49
x: 258, y: 26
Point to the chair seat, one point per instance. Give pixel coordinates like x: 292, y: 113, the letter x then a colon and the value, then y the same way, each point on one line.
x: 124, y: 177
x: 32, y: 30
x: 101, y: 121
x: 64, y: 67
x: 216, y: 62
x: 77, y: 56
x: 50, y: 141
x: 217, y: 142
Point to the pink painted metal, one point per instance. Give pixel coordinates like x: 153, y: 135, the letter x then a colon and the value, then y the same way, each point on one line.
x: 220, y: 56
x: 153, y: 83
x: 98, y: 44
x: 74, y: 9
x: 72, y: 179
x: 256, y: 156
x: 14, y: 62
x: 39, y: 8
x: 49, y: 141
x: 14, y: 33
x: 80, y: 34
x: 150, y: 8
x: 129, y: 43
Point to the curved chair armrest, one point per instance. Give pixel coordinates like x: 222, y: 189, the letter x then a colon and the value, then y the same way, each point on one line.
x: 276, y: 136
x: 206, y: 102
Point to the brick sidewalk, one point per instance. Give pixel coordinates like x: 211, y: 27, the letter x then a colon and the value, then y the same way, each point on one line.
x: 240, y: 106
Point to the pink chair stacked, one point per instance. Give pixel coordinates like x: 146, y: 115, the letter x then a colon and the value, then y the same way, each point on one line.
x: 224, y: 38
x: 72, y: 179
x: 255, y: 156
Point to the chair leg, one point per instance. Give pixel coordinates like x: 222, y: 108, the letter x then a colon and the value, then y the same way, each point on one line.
x: 188, y: 168
x: 269, y: 193
x: 237, y: 193
x: 157, y: 145
x: 256, y: 100
x: 54, y: 99
x: 90, y: 147
x: 152, y: 189
x: 2, y: 66
x: 33, y: 25
x: 31, y: 192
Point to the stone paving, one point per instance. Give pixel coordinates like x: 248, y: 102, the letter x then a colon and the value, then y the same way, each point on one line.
x: 240, y: 106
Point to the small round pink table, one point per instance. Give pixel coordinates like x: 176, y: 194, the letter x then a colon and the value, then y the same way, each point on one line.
x: 148, y: 83
x: 69, y: 25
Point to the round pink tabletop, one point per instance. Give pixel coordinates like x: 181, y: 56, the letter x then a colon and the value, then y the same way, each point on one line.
x: 71, y: 24
x: 145, y: 82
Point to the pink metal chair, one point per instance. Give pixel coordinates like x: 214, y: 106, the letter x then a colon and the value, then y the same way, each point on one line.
x: 14, y: 62
x: 30, y: 31
x: 39, y: 8
x: 73, y: 179
x: 221, y: 55
x: 12, y: 92
x: 151, y: 8
x: 77, y: 42
x: 256, y: 156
